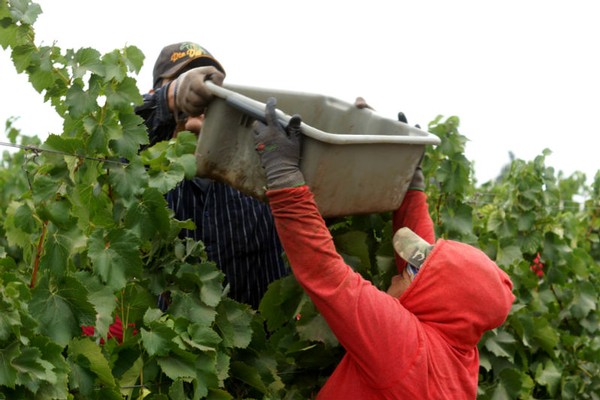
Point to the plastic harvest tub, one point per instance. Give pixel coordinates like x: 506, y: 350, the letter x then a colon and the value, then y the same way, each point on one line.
x: 354, y: 161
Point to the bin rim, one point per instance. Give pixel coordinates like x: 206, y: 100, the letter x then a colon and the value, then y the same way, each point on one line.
x: 256, y: 109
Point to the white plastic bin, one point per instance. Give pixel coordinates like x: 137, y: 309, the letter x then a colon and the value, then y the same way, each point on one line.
x: 354, y: 160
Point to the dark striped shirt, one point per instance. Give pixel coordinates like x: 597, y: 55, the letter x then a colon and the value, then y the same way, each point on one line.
x: 237, y: 230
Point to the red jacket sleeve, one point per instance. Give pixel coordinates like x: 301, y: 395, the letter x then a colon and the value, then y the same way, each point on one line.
x: 356, y: 311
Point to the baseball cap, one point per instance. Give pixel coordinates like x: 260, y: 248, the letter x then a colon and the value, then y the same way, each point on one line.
x: 174, y: 58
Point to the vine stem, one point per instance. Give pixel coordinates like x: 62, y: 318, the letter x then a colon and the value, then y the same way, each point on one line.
x: 38, y: 254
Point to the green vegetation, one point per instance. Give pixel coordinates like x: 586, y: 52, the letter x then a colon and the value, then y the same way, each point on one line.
x: 84, y: 233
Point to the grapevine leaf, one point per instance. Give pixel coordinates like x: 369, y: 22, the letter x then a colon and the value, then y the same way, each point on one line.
x: 123, y: 95
x: 316, y: 329
x: 159, y: 340
x: 502, y: 345
x: 24, y: 218
x: 585, y: 299
x: 87, y: 59
x: 248, y: 374
x: 179, y: 365
x: 79, y: 101
x: 548, y: 375
x: 59, y: 247
x: 134, y: 135
x: 508, y: 255
x: 150, y: 216
x: 8, y: 373
x: 189, y: 306
x: 546, y: 336
x: 88, y: 355
x: 280, y: 302
x: 128, y: 180
x: 25, y: 11
x: 61, y: 308
x: 115, y: 256
x: 102, y: 128
x: 67, y: 145
x: 207, y: 277
x: 134, y: 58
x: 203, y: 338
x: 234, y: 321
x: 52, y: 353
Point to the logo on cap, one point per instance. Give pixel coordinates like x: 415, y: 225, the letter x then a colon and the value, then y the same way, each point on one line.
x: 190, y: 50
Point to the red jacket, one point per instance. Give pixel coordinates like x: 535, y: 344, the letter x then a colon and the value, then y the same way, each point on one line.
x: 422, y: 345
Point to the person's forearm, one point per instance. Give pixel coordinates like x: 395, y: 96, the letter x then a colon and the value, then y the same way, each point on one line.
x: 306, y: 240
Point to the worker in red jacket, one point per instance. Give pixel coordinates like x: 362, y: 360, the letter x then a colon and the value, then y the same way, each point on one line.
x: 418, y: 340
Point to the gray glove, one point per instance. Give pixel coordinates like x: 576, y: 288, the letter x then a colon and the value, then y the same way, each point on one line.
x: 279, y: 149
x: 191, y: 93
x: 418, y: 179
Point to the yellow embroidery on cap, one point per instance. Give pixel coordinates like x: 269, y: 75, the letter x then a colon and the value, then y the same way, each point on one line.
x: 192, y: 51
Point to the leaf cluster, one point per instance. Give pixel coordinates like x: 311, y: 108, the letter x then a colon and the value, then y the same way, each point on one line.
x: 86, y: 235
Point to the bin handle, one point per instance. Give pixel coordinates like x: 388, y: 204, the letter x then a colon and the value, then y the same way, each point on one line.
x: 256, y: 110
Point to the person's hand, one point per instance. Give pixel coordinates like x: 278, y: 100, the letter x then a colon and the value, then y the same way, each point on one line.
x: 361, y: 103
x: 191, y: 95
x: 418, y: 179
x: 279, y: 149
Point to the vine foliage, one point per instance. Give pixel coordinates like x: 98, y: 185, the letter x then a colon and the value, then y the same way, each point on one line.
x: 86, y: 235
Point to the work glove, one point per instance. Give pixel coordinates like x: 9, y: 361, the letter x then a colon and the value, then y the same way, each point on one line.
x: 418, y: 179
x: 279, y: 149
x: 191, y: 93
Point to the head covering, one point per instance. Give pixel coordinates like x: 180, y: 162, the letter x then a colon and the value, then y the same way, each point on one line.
x: 176, y: 58
x: 460, y: 292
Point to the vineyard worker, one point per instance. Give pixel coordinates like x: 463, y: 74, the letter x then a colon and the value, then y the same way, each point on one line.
x: 418, y: 340
x: 237, y: 230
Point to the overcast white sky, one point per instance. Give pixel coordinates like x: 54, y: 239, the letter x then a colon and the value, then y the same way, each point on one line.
x: 522, y: 75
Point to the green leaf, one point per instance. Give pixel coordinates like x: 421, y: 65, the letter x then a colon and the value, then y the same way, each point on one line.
x: 316, y: 329
x: 545, y: 335
x: 548, y: 375
x: 79, y: 101
x: 509, y: 255
x: 502, y: 344
x: 585, y: 299
x: 248, y: 374
x: 88, y: 355
x: 128, y: 180
x: 87, y: 59
x: 159, y: 340
x: 60, y: 246
x: 102, y: 127
x: 123, y: 95
x: 115, y: 256
x: 203, y: 337
x: 133, y: 136
x: 131, y: 377
x: 24, y: 219
x: 8, y: 374
x: 189, y: 306
x: 207, y: 277
x: 68, y: 145
x: 150, y: 216
x: 179, y: 365
x: 61, y: 308
x: 234, y: 321
x: 134, y: 57
x: 25, y: 11
x: 280, y: 303
x: 32, y: 369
